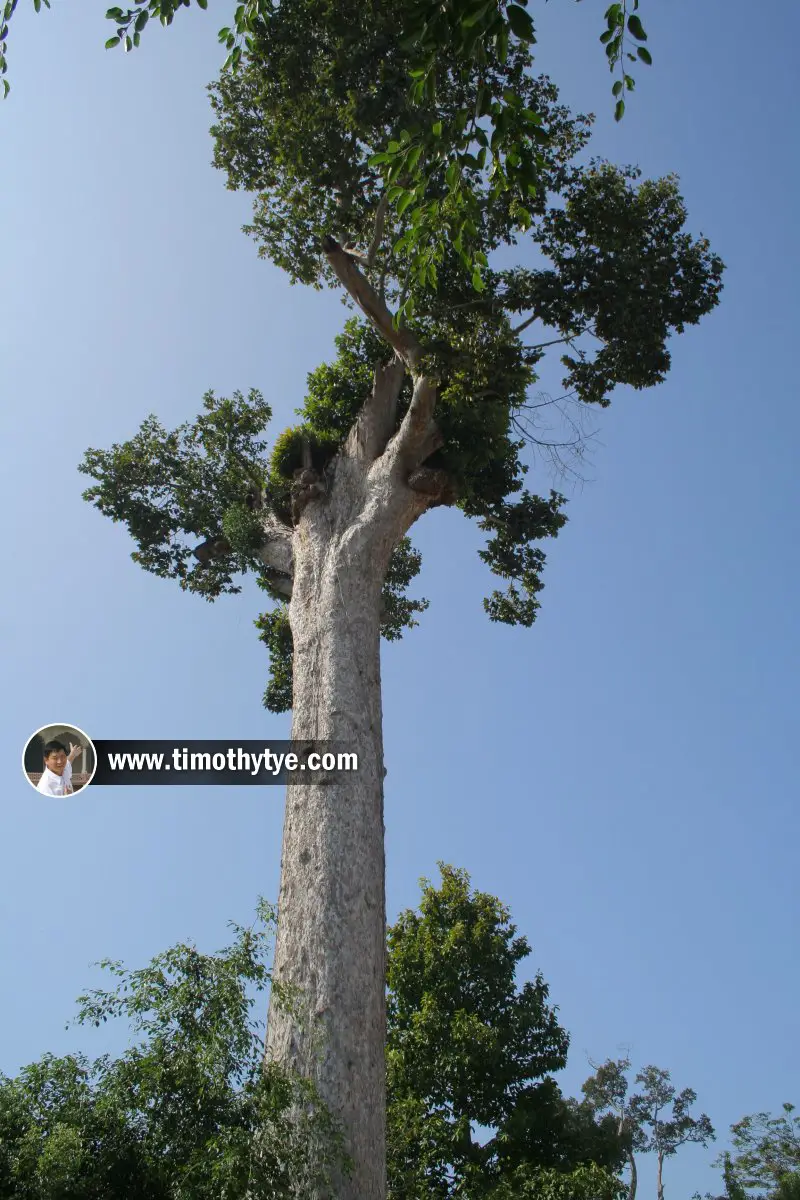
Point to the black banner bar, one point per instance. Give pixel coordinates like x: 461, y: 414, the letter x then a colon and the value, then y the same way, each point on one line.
x: 195, y: 763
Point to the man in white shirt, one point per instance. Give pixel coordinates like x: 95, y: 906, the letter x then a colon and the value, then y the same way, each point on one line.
x: 57, y: 777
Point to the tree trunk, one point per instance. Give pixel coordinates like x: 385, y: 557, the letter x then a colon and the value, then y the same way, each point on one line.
x: 331, y: 941
x: 634, y: 1176
x: 660, y: 1182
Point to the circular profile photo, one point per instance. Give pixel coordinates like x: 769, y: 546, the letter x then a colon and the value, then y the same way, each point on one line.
x: 59, y: 760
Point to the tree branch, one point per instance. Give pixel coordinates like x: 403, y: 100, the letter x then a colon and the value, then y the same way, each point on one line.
x: 360, y: 290
x: 376, y: 421
x: 275, y: 551
x: 418, y: 436
x: 377, y: 233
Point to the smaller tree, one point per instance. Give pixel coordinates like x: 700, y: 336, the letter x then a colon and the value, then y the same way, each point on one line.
x: 765, y: 1161
x: 662, y: 1120
x: 607, y: 1092
x: 187, y: 1113
x: 474, y: 1109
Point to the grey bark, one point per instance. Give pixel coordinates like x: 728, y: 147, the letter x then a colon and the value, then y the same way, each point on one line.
x: 634, y: 1176
x: 331, y: 939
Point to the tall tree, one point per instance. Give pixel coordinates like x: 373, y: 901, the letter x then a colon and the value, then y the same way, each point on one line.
x: 663, y: 1119
x: 607, y: 1092
x: 427, y: 403
x: 469, y: 1051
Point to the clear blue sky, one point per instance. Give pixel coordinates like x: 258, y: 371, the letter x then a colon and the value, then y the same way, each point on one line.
x: 623, y: 775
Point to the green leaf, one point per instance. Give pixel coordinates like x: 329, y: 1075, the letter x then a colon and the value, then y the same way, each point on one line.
x: 617, y: 88
x: 141, y: 20
x: 413, y: 158
x: 636, y: 28
x: 619, y: 111
x: 437, y: 129
x: 114, y: 41
x: 477, y: 280
x: 520, y: 22
x: 202, y: 3
x: 128, y: 44
x: 476, y: 16
x: 501, y: 43
x: 404, y: 203
x: 645, y: 55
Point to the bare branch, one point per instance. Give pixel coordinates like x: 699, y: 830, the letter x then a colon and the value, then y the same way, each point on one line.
x: 567, y: 448
x: 529, y: 321
x: 358, y: 287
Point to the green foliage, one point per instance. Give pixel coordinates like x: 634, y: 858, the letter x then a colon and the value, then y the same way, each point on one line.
x: 656, y: 1132
x: 398, y: 611
x: 298, y: 126
x: 319, y: 91
x: 468, y: 39
x: 655, y: 1119
x: 187, y: 1112
x: 625, y: 271
x: 276, y: 634
x: 765, y: 1159
x: 788, y: 1187
x: 589, y: 1181
x: 242, y: 528
x: 467, y: 1047
x: 335, y: 394
x: 510, y: 554
x: 175, y: 488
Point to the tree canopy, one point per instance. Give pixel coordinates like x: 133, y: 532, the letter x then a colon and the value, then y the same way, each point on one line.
x: 610, y: 273
x: 471, y: 33
x: 469, y: 1049
x: 765, y: 1156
